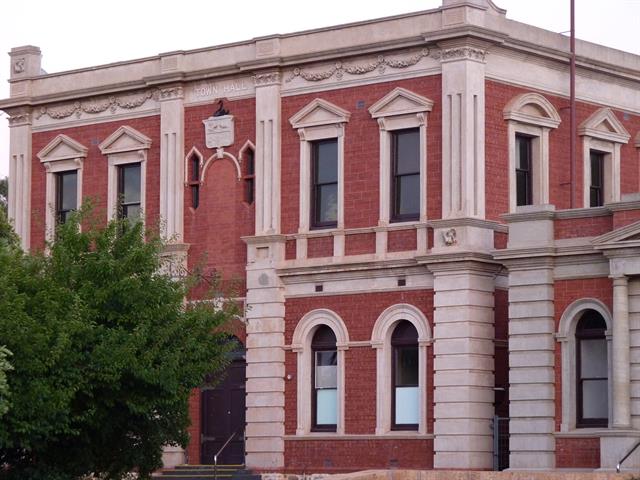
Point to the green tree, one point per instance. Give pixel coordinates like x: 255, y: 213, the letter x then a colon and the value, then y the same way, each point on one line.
x: 4, y: 194
x: 5, y: 366
x: 105, y: 353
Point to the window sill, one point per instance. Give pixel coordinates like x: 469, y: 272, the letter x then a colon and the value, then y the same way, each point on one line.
x: 596, y: 432
x: 397, y: 435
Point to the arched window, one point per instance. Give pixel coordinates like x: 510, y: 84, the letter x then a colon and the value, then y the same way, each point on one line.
x: 324, y: 380
x: 405, y: 409
x: 591, y: 371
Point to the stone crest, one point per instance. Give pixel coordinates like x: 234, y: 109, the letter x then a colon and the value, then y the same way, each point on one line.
x: 218, y: 131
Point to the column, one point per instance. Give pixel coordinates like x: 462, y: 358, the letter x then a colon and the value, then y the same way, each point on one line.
x: 464, y: 365
x: 20, y: 152
x: 265, y: 292
x: 172, y: 163
x: 621, y: 381
x: 531, y: 367
x: 463, y: 163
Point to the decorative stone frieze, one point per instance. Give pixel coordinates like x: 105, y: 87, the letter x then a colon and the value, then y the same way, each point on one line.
x: 461, y: 53
x: 339, y: 68
x: 98, y: 105
x: 264, y: 79
x: 171, y: 93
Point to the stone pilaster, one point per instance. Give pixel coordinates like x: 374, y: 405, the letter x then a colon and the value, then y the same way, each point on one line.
x: 464, y: 364
x: 20, y: 152
x: 531, y: 367
x: 621, y: 372
x: 463, y: 125
x: 172, y: 162
x: 265, y: 355
x: 265, y: 293
x: 268, y: 119
x: 531, y: 337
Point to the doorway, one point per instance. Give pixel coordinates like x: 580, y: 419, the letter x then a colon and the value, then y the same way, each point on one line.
x: 223, y: 413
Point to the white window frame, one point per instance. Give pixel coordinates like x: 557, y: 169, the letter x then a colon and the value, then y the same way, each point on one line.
x: 381, y: 341
x: 301, y: 344
x: 398, y: 110
x: 62, y: 154
x: 603, y: 132
x: 567, y: 337
x: 125, y: 146
x: 532, y: 115
x: 319, y: 120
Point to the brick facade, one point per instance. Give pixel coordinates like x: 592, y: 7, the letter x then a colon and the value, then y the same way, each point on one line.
x: 494, y: 289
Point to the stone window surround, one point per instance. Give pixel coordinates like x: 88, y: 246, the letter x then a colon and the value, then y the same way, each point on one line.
x: 608, y: 143
x: 381, y: 341
x: 135, y: 152
x: 301, y: 344
x: 532, y: 115
x: 567, y: 337
x: 53, y: 164
x: 392, y: 117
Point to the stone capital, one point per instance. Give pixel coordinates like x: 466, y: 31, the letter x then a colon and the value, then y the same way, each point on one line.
x: 267, y: 78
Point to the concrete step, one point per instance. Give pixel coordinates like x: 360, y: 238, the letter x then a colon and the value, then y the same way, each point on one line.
x: 485, y: 475
x: 204, y: 472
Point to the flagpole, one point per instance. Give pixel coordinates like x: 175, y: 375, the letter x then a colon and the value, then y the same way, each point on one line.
x: 572, y: 121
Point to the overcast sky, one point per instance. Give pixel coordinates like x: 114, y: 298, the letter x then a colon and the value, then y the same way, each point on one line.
x: 80, y: 33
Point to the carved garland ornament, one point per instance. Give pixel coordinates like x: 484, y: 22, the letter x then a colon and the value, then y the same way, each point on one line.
x: 112, y: 103
x: 461, y: 53
x: 339, y: 68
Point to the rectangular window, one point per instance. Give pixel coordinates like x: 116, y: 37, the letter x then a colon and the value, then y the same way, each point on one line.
x: 194, y: 183
x: 596, y: 189
x: 324, y: 183
x: 129, y: 183
x: 66, y: 194
x: 405, y: 175
x: 523, y: 170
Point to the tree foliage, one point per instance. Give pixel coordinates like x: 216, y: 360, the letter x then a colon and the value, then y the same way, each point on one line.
x: 4, y: 194
x: 105, y: 353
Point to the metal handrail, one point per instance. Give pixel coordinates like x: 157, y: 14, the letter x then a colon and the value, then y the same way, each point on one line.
x: 215, y: 457
x: 633, y: 449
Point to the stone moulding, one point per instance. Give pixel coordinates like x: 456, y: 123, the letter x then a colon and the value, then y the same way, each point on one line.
x: 127, y: 101
x: 339, y: 68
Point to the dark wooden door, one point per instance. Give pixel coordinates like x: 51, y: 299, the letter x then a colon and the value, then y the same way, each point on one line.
x: 223, y: 412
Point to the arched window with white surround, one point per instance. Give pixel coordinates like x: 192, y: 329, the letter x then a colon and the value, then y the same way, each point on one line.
x: 319, y: 341
x: 584, y: 334
x: 401, y: 336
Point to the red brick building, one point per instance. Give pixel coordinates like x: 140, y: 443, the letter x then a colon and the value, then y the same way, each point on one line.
x: 396, y: 197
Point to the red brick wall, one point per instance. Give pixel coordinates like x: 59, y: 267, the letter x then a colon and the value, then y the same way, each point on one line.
x: 581, y: 227
x: 360, y: 243
x: 315, y: 456
x: 195, y: 411
x: 359, y: 312
x: 320, y: 247
x: 215, y: 227
x: 577, y: 452
x: 401, y: 240
x: 625, y: 217
x: 497, y: 95
x: 566, y: 292
x: 361, y: 166
x: 94, y: 172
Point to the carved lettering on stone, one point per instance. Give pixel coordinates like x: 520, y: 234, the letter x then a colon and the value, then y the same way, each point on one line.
x: 218, y: 131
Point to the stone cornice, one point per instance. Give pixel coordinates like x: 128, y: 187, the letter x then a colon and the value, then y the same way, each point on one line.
x: 468, y: 222
x: 263, y: 239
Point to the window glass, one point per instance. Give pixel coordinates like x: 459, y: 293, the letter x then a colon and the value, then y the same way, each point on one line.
x: 592, y: 371
x: 523, y: 171
x: 325, y: 379
x: 405, y: 377
x: 596, y: 194
x: 405, y: 183
x: 325, y: 183
x: 67, y: 194
x: 129, y: 190
x: 249, y: 179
